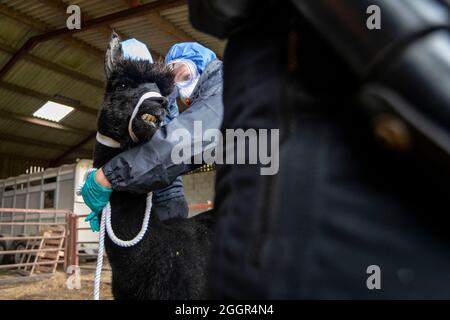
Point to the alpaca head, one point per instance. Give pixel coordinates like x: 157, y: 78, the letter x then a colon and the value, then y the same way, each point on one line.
x: 129, y: 82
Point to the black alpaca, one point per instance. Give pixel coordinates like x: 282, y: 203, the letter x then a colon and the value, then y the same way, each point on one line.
x: 170, y: 262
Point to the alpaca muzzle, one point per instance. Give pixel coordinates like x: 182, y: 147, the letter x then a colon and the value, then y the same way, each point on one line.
x: 148, y: 95
x: 111, y: 143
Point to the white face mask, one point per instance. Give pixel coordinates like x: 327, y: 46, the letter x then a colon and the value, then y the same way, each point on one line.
x: 184, y: 89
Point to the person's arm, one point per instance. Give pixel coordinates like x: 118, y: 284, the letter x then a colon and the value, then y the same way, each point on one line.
x: 221, y: 18
x: 149, y: 166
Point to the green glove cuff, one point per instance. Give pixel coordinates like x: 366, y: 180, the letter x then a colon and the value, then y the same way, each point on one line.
x: 97, y: 185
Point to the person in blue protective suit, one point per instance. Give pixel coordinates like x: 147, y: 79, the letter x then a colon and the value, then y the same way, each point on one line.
x: 149, y: 167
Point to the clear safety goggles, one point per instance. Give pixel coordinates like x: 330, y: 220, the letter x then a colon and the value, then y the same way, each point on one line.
x: 185, y: 72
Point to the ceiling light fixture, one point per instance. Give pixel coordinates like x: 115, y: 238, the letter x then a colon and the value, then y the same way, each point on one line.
x: 53, y: 111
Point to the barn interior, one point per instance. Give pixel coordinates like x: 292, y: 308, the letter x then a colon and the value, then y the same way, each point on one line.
x: 51, y: 87
x: 42, y: 61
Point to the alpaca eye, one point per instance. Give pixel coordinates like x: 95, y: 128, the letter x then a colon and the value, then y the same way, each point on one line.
x: 121, y: 86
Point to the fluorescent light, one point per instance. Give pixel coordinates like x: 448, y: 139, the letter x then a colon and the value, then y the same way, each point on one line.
x: 53, y: 111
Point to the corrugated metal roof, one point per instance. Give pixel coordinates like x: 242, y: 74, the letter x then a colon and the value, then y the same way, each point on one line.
x: 180, y: 18
x: 48, y: 69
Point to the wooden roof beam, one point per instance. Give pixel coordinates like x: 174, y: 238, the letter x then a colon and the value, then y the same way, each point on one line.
x: 65, y: 154
x: 21, y: 157
x: 87, y: 25
x: 61, y: 7
x: 34, y: 142
x: 45, y: 97
x: 56, y: 67
x: 42, y: 27
x: 165, y: 25
x: 156, y: 19
x: 42, y: 123
x: 24, y: 19
x: 130, y: 13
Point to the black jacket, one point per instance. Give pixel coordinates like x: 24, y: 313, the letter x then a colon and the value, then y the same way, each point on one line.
x: 340, y: 203
x: 223, y: 18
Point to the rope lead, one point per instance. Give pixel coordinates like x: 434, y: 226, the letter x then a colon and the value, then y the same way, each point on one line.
x: 105, y: 224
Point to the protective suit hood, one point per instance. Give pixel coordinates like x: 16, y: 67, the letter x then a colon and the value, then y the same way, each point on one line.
x: 193, y: 51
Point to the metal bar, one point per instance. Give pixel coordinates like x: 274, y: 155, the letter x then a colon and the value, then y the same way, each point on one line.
x: 66, y: 242
x: 28, y: 251
x: 61, y: 7
x: 32, y: 213
x: 29, y: 44
x: 48, y: 97
x: 33, y: 223
x: 74, y: 259
x: 72, y: 149
x: 88, y: 242
x: 112, y: 18
x: 24, y: 19
x: 31, y: 238
x: 42, y: 27
x: 34, y: 142
x: 39, y: 211
x: 83, y: 229
x: 41, y: 122
x: 165, y: 25
x: 56, y: 67
x: 35, y: 161
x: 90, y: 24
x: 9, y: 266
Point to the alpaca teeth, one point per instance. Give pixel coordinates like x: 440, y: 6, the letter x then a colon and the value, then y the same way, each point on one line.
x: 148, y: 118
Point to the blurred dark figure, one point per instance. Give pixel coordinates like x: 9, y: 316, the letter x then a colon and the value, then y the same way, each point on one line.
x: 341, y: 202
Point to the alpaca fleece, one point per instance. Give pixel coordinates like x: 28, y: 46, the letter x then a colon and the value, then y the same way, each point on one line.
x: 171, y: 260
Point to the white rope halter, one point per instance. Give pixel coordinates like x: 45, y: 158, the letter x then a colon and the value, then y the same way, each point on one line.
x: 145, y: 96
x: 110, y: 142
x: 107, y: 141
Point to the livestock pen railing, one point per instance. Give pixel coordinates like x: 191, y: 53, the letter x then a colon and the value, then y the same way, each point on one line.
x: 29, y: 237
x: 76, y: 229
x: 77, y: 242
x: 21, y: 230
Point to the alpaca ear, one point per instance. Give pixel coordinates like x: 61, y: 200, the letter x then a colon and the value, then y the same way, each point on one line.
x: 114, y: 53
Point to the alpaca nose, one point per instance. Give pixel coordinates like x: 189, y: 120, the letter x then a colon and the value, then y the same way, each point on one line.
x: 162, y: 101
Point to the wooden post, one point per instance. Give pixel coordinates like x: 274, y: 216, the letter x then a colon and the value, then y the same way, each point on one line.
x: 73, y: 250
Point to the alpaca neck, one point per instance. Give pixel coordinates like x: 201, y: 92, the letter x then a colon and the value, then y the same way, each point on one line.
x: 102, y: 154
x: 127, y: 209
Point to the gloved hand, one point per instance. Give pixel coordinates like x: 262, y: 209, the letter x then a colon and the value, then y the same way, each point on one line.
x: 96, y: 197
x: 94, y: 220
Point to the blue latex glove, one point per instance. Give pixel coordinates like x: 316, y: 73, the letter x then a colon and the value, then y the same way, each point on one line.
x: 96, y: 197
